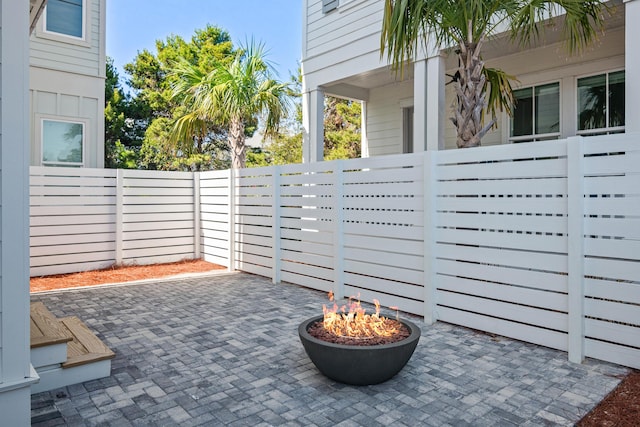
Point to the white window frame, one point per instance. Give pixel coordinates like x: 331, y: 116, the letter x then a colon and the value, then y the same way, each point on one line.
x: 542, y: 136
x: 85, y: 40
x: 607, y: 129
x: 79, y: 121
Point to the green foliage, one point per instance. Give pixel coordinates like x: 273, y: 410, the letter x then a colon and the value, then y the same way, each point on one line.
x: 124, y: 120
x: 232, y: 95
x: 159, y: 153
x: 150, y: 112
x: 342, y: 136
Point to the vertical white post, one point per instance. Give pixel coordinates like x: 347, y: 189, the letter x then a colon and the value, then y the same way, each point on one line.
x: 632, y: 65
x: 419, y: 106
x: 338, y: 229
x: 435, y: 103
x: 119, y: 214
x: 313, y: 126
x: 429, y: 200
x: 15, y: 373
x: 276, y: 256
x: 197, y: 238
x: 364, y: 141
x: 232, y: 220
x: 575, y: 236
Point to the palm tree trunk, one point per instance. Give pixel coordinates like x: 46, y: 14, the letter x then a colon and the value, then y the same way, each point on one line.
x: 236, y: 142
x: 471, y: 94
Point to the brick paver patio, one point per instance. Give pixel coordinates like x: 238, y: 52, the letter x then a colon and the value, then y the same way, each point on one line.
x: 223, y: 350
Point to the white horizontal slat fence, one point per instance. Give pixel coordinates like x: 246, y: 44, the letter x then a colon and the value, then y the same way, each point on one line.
x: 493, y: 210
x: 73, y: 217
x: 86, y: 219
x: 539, y: 242
x: 611, y: 177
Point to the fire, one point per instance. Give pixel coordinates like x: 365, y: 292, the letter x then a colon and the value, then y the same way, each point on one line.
x: 353, y: 321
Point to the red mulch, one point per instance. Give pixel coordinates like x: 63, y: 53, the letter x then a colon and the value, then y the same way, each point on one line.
x: 621, y: 407
x: 118, y: 274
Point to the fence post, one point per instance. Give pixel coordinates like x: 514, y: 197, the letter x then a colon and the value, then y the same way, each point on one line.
x: 575, y: 247
x: 119, y: 214
x: 197, y: 238
x: 232, y: 220
x: 338, y: 229
x: 275, y: 216
x: 429, y: 197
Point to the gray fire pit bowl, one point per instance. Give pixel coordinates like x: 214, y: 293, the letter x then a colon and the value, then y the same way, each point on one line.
x: 358, y: 365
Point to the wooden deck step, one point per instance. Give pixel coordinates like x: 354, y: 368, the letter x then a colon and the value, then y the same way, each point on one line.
x: 85, y: 347
x: 45, y: 328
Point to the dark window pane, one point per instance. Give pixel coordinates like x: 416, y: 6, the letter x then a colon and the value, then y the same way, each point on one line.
x: 522, y: 120
x: 616, y: 99
x: 65, y: 17
x: 592, y: 102
x: 547, y: 108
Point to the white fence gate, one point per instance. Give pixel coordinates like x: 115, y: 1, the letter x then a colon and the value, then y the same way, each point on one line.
x: 539, y: 242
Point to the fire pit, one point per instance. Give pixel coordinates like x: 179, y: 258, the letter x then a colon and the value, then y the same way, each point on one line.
x: 357, y: 363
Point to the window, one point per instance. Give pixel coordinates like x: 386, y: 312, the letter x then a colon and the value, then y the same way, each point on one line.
x: 601, y: 104
x: 62, y: 143
x: 65, y: 17
x: 536, y: 116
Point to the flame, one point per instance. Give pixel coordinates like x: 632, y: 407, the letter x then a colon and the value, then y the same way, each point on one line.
x: 354, y: 322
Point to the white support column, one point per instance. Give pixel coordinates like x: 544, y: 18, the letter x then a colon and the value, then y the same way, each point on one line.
x: 197, y: 238
x: 338, y: 230
x: 435, y: 103
x: 232, y: 221
x: 119, y: 214
x: 15, y: 373
x: 364, y: 141
x: 275, y: 215
x: 313, y: 126
x: 429, y: 200
x: 428, y: 104
x: 419, y: 106
x: 632, y: 65
x: 575, y: 235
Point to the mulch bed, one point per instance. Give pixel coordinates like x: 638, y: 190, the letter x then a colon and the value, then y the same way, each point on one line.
x: 119, y: 274
x: 621, y: 407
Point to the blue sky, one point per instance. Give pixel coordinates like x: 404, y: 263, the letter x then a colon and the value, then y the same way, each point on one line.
x: 134, y: 25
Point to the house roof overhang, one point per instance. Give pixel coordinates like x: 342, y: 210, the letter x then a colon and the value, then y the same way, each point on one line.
x: 35, y: 10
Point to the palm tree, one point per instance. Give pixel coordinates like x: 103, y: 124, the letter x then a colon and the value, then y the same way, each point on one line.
x: 465, y: 26
x: 231, y: 95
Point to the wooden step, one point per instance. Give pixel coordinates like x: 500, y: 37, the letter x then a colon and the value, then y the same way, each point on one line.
x: 45, y: 328
x: 85, y: 347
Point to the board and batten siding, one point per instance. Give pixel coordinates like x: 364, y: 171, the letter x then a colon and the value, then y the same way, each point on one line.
x: 66, y: 54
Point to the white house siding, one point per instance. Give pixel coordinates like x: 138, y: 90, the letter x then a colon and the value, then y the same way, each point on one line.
x: 14, y: 216
x: 384, y: 117
x: 343, y: 42
x: 66, y: 54
x: 67, y: 83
